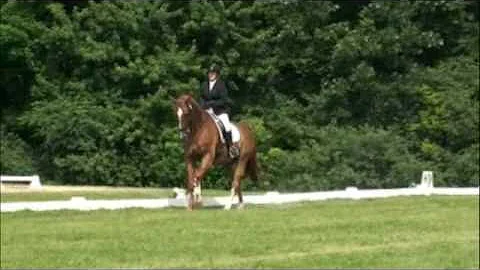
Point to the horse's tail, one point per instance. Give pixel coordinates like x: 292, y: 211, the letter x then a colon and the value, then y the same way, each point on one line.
x: 252, y: 167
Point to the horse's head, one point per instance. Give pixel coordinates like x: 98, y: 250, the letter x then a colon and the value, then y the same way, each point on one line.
x: 186, y: 108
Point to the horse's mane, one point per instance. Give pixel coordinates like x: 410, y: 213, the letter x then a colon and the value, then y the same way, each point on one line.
x: 194, y: 102
x: 198, y: 114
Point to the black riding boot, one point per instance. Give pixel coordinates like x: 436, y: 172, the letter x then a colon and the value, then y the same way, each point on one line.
x: 230, y: 149
x: 228, y: 140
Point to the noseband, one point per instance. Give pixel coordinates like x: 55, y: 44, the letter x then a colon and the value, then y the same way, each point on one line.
x: 185, y: 130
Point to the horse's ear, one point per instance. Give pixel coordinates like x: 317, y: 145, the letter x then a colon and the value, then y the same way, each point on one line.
x: 189, y: 101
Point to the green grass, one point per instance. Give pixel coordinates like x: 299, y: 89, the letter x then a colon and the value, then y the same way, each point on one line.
x: 92, y: 194
x: 413, y: 232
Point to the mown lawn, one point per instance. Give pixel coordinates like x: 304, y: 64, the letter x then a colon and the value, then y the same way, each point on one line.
x: 407, y: 232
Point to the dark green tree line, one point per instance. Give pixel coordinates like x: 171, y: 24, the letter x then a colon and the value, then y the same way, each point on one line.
x: 339, y: 92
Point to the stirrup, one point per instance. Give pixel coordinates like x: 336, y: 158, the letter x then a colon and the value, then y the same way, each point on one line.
x: 233, y: 151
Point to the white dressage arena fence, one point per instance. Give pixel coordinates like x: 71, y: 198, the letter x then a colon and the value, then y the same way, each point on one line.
x: 425, y: 188
x: 33, y: 181
x: 80, y: 203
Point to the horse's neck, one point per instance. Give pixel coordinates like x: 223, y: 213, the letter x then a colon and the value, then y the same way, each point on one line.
x: 198, y: 120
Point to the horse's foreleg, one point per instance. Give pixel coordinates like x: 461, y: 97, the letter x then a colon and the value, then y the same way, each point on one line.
x: 207, y: 162
x: 189, y: 201
x: 189, y: 185
x: 197, y: 192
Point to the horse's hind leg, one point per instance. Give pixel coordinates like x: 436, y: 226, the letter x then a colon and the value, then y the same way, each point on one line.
x: 240, y: 199
x: 228, y: 206
x: 238, y: 174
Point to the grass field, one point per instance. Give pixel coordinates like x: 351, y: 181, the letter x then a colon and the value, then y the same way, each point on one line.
x: 414, y: 232
x: 50, y: 193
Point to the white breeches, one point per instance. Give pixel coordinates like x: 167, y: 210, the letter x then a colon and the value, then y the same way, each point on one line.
x: 225, y: 120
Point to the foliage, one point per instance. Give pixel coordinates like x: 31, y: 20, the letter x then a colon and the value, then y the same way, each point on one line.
x: 338, y: 93
x: 341, y: 157
x: 15, y: 155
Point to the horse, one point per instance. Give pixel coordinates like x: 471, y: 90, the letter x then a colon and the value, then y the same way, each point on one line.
x: 202, y: 144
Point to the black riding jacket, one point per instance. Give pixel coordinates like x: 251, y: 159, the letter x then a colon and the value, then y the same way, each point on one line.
x: 217, y: 98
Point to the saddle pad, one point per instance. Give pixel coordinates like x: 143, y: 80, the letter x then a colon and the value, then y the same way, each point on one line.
x: 221, y: 128
x: 235, y: 133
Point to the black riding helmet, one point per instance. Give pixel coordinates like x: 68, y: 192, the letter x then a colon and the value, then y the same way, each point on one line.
x: 214, y: 68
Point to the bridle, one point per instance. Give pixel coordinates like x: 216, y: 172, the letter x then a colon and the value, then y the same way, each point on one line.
x: 185, y: 130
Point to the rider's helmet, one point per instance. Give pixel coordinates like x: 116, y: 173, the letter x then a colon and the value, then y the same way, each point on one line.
x: 214, y: 68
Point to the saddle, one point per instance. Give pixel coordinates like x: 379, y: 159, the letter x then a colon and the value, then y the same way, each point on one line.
x: 220, y: 126
x: 234, y: 150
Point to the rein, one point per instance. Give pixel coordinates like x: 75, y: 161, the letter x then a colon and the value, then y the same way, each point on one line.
x: 194, y: 121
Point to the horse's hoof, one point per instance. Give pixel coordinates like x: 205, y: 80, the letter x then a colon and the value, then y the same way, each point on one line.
x: 227, y: 207
x: 241, y: 206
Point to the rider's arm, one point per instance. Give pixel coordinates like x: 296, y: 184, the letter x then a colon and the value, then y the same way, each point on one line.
x: 221, y: 98
x: 224, y: 99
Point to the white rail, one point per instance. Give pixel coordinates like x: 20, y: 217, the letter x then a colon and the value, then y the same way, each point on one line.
x: 34, y: 180
x: 80, y: 203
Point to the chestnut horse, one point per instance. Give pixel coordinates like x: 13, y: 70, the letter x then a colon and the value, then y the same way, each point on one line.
x: 202, y: 145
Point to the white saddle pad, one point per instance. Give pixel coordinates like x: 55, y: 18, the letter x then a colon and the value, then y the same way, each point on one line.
x: 235, y: 131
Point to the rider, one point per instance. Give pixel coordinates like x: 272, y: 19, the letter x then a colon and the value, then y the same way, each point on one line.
x: 214, y: 98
